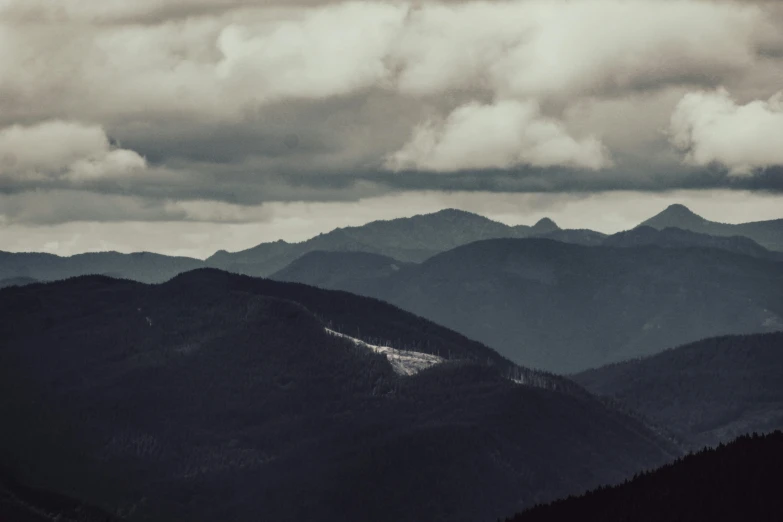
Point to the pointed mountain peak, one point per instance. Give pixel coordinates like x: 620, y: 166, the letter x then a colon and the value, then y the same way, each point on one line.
x: 678, y: 209
x: 677, y: 216
x: 544, y: 226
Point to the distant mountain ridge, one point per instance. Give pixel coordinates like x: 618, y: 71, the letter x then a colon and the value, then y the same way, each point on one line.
x: 671, y: 237
x: 565, y: 307
x: 406, y: 240
x: 146, y: 267
x: 768, y: 234
x: 411, y: 239
x: 707, y: 392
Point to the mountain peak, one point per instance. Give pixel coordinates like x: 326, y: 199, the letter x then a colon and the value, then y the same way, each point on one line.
x: 454, y: 213
x: 544, y: 225
x: 678, y: 209
x: 676, y: 216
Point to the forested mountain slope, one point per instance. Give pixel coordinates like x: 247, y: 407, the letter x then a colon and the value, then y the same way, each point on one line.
x: 220, y: 397
x: 739, y: 481
x: 707, y: 392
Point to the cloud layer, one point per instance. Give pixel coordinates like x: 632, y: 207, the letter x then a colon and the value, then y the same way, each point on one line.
x: 219, y: 105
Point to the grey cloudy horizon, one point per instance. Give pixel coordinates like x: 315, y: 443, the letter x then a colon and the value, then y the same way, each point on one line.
x: 195, y: 116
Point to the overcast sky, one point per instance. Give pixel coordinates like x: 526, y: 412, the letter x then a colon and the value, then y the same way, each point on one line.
x: 187, y: 126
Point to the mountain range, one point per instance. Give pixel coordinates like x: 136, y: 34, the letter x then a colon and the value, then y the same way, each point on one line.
x: 216, y: 396
x: 167, y: 388
x: 564, y: 307
x: 413, y: 239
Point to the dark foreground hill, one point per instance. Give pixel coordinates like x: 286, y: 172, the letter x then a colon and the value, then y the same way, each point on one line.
x: 739, y: 481
x: 565, y: 307
x: 707, y: 392
x: 220, y: 397
x: 23, y: 504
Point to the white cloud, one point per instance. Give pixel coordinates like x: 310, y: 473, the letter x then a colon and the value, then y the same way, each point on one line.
x: 711, y: 127
x: 59, y: 149
x: 553, y: 47
x: 500, y: 135
x: 324, y: 52
x: 61, y: 60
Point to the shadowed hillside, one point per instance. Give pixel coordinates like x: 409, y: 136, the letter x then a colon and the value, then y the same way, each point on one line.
x: 707, y: 392
x: 221, y: 397
x: 739, y: 481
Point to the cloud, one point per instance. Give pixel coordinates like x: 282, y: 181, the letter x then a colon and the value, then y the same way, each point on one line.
x: 48, y: 207
x: 497, y: 136
x: 558, y: 47
x: 711, y: 127
x: 64, y: 150
x: 251, y: 101
x: 237, y: 55
x: 312, y: 56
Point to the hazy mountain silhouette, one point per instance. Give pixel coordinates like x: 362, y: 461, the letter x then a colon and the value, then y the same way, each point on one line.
x: 679, y: 238
x: 768, y: 234
x: 221, y: 397
x: 565, y: 307
x: 17, y: 281
x: 146, y: 267
x: 411, y: 239
x: 350, y: 271
x: 739, y: 481
x: 580, y: 236
x: 543, y: 226
x: 706, y: 392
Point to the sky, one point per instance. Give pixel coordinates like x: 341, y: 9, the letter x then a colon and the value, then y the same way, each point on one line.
x: 189, y: 126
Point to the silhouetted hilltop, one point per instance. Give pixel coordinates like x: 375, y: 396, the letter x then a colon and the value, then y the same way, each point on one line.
x: 544, y: 226
x: 739, y: 481
x: 768, y: 234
